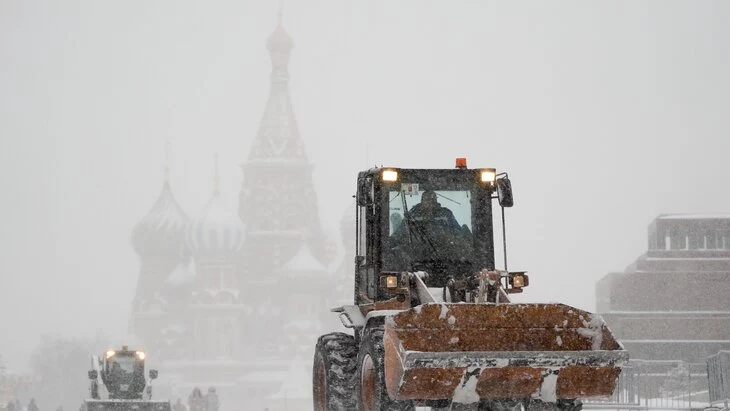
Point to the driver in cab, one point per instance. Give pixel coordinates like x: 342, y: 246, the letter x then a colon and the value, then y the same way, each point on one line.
x: 429, y: 211
x: 430, y: 229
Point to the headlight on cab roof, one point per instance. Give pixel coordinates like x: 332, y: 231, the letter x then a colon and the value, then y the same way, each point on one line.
x: 140, y: 355
x: 489, y: 175
x: 110, y: 353
x: 390, y: 175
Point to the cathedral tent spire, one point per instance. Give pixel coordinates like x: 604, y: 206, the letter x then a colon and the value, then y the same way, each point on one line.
x: 278, y: 201
x: 277, y: 139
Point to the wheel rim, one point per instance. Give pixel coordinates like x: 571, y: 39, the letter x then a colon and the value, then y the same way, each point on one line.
x: 367, y: 384
x: 320, y: 390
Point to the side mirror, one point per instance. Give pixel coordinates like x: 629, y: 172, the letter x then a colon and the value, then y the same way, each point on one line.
x: 93, y: 374
x: 153, y: 374
x: 504, y: 192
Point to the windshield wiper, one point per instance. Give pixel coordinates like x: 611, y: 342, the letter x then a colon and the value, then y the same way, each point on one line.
x: 450, y: 199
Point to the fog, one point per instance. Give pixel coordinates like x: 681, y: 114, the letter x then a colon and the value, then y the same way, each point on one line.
x: 603, y: 114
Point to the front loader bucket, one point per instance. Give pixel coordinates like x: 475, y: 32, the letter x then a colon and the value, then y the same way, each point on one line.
x: 126, y: 405
x: 468, y: 352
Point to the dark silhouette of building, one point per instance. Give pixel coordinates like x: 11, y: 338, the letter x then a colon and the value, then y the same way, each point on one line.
x: 672, y: 303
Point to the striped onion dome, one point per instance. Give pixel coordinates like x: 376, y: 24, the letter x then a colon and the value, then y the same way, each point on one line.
x: 162, y: 231
x: 216, y: 229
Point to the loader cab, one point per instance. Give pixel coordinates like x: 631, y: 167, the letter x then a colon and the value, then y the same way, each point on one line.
x: 433, y: 220
x: 123, y: 373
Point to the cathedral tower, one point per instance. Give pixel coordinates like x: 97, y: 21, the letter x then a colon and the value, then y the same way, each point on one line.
x: 278, y: 203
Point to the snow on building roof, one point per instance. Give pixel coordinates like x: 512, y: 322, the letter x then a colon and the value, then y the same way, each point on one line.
x: 304, y: 262
x: 182, y: 274
x: 161, y: 230
x: 215, y: 293
x: 159, y: 298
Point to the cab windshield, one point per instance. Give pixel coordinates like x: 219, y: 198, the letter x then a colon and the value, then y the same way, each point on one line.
x: 430, y: 226
x: 121, y: 367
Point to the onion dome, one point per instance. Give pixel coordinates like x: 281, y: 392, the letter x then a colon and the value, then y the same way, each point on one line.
x: 279, y: 41
x: 162, y: 231
x: 216, y: 229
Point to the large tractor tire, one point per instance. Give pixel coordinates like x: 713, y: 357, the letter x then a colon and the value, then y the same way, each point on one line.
x: 333, y: 372
x: 370, y: 379
x: 570, y: 405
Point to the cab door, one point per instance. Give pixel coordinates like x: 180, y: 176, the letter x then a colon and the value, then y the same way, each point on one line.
x: 365, y: 267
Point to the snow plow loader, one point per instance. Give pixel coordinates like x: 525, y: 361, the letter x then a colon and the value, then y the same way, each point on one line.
x: 118, y: 383
x: 433, y: 325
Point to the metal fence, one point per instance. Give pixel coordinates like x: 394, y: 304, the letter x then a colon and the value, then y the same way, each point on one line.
x: 658, y: 385
x: 718, y: 374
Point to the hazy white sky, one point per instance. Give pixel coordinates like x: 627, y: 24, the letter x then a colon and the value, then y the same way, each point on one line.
x: 605, y: 114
